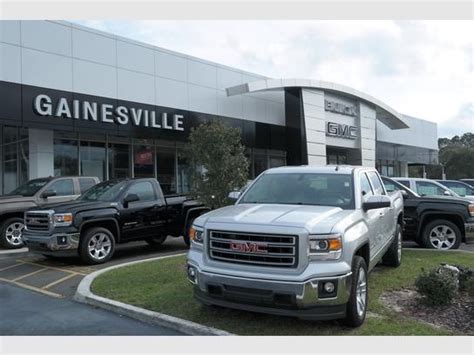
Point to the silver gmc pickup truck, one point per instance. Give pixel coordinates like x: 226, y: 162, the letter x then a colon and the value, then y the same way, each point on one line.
x: 299, y: 241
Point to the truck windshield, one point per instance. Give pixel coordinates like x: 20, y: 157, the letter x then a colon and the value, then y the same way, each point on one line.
x: 29, y: 188
x: 302, y: 189
x: 105, y: 191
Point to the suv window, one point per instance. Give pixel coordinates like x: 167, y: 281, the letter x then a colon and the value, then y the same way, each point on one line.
x: 426, y: 188
x: 144, y: 190
x: 376, y: 183
x: 85, y: 184
x: 390, y: 186
x: 63, y: 187
x: 458, y: 188
x: 365, y: 185
x: 404, y: 182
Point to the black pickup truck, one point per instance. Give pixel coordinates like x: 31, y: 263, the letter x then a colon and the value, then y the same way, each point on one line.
x: 436, y: 222
x: 112, y: 212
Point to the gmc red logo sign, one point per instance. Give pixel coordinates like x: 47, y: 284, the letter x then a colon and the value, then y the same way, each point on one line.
x: 248, y: 247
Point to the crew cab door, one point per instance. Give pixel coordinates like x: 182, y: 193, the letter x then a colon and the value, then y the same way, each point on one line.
x: 372, y: 217
x: 139, y: 219
x: 386, y: 215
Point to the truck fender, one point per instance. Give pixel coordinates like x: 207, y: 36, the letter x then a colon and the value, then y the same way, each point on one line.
x: 195, y: 211
x: 356, y: 241
x: 95, y: 221
x: 435, y: 213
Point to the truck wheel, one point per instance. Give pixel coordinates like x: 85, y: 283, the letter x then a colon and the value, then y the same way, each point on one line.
x: 357, y: 305
x: 97, y: 246
x: 156, y: 241
x: 441, y: 234
x: 393, y: 256
x: 11, y: 232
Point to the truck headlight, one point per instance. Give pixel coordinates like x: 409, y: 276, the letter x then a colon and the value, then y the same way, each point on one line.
x: 196, y: 234
x: 325, y: 246
x: 62, y: 219
x: 471, y: 210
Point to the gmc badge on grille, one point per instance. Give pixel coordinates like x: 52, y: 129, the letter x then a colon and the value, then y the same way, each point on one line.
x: 247, y: 247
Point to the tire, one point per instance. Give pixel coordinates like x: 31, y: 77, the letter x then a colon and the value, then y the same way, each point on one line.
x: 357, y: 305
x: 11, y: 231
x: 441, y: 234
x: 97, y: 246
x: 156, y: 241
x: 393, y: 256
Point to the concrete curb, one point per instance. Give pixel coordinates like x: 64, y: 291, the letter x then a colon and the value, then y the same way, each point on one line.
x: 8, y: 252
x: 84, y: 295
x: 444, y: 251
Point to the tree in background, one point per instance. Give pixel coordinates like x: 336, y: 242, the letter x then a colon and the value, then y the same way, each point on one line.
x: 217, y: 162
x: 457, y: 156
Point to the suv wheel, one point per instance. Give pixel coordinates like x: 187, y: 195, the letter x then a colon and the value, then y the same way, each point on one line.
x: 97, y: 246
x: 357, y: 305
x: 393, y: 256
x: 441, y: 234
x: 156, y: 241
x: 11, y: 232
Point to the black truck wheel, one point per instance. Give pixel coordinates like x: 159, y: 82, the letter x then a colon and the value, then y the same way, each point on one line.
x: 156, y: 241
x: 393, y: 256
x: 11, y: 232
x: 441, y: 234
x: 97, y: 245
x: 357, y: 305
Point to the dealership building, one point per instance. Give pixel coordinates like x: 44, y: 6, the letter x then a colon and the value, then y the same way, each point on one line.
x: 77, y: 101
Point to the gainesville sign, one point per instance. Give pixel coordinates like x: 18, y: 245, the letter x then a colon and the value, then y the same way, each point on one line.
x: 101, y: 112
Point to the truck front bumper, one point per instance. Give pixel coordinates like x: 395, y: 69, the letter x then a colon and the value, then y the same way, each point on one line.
x: 59, y: 244
x: 305, y: 300
x: 469, y: 228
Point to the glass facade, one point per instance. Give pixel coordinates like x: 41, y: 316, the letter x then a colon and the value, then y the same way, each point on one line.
x: 388, y: 168
x: 14, y: 153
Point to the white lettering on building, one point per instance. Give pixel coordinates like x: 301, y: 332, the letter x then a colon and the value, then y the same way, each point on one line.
x: 92, y: 111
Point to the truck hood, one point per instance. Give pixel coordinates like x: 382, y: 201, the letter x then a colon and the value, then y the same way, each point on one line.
x: 315, y: 219
x: 446, y: 199
x: 15, y: 199
x: 75, y: 206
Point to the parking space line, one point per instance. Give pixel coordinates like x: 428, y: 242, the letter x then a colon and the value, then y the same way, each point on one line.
x: 12, y: 266
x: 29, y: 274
x: 54, y: 283
x: 32, y: 288
x: 54, y: 268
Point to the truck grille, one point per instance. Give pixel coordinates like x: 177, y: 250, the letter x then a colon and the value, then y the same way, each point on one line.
x: 256, y: 249
x: 37, y: 221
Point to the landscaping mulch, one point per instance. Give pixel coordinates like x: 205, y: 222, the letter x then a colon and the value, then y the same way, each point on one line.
x: 457, y: 316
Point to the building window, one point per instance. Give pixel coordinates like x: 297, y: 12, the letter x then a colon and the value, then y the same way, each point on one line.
x: 183, y: 174
x: 144, y: 160
x: 260, y: 164
x: 166, y: 169
x: 66, y: 157
x: 14, y: 157
x: 93, y: 159
x: 119, y: 161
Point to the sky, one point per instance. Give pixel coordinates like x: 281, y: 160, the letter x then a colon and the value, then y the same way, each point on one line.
x: 423, y: 69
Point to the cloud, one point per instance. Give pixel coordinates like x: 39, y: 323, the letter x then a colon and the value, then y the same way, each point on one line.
x: 420, y: 68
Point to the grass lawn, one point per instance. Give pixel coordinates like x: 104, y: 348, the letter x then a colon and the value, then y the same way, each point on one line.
x: 162, y: 286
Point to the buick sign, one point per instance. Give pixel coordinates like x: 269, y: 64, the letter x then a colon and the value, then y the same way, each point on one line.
x: 340, y: 130
x: 92, y: 111
x: 348, y: 110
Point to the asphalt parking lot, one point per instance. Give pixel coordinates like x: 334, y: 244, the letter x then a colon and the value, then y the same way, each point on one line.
x: 59, y: 278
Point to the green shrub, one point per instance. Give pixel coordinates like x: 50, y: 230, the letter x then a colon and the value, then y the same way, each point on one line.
x: 436, y: 288
x: 466, y: 279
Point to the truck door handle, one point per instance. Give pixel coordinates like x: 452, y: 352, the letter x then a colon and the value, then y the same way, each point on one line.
x: 381, y: 214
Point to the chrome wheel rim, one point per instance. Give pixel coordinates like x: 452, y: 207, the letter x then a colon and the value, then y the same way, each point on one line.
x: 399, y: 246
x: 442, y: 237
x: 14, y: 232
x: 99, y: 246
x: 361, y: 292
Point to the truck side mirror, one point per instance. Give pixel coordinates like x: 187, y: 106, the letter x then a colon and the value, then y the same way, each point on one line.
x: 234, y: 195
x: 404, y: 194
x: 130, y: 198
x: 375, y: 202
x: 48, y: 193
x: 447, y: 193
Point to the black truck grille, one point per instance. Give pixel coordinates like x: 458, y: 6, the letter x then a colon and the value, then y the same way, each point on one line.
x: 255, y: 249
x: 37, y: 221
